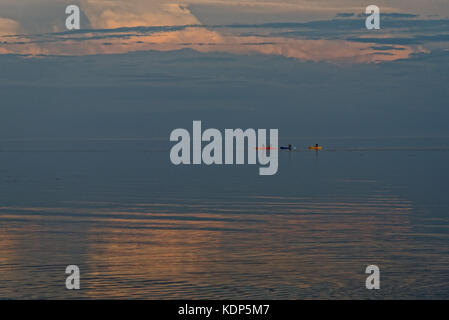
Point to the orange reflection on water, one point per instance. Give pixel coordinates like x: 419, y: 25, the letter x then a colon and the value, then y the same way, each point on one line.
x: 256, y: 248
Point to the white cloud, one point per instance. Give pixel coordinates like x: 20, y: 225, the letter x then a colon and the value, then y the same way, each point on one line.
x: 8, y: 27
x: 134, y: 13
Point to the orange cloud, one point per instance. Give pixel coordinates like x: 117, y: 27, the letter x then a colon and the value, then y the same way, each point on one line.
x: 8, y: 27
x: 204, y: 40
x: 106, y: 14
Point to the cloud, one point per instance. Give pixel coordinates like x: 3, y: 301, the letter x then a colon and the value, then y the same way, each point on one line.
x: 107, y: 14
x: 138, y: 25
x: 8, y: 27
x: 204, y: 40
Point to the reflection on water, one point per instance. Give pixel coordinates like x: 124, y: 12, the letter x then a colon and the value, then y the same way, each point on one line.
x: 141, y: 228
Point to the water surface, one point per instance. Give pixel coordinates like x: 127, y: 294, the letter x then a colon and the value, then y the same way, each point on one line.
x: 139, y: 227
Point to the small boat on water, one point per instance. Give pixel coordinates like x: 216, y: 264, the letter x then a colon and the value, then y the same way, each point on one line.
x: 265, y: 148
x: 289, y: 148
x: 316, y: 147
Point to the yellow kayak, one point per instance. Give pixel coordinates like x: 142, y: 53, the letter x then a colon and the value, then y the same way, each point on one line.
x: 315, y: 148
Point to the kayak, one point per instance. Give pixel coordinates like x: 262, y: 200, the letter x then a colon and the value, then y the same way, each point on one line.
x: 315, y: 148
x: 265, y: 148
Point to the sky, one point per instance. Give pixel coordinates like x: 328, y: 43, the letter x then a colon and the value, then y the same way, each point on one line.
x: 305, y: 30
x: 138, y: 68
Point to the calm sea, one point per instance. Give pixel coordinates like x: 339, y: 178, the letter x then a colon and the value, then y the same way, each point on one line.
x: 139, y: 227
